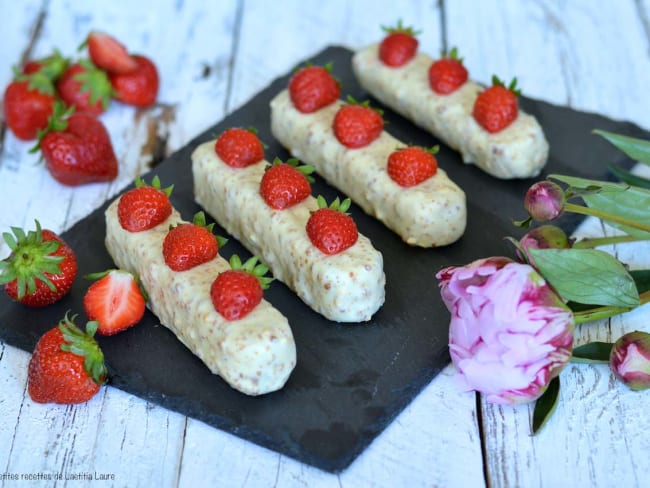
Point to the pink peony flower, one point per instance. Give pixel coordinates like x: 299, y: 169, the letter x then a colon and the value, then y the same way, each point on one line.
x: 630, y: 360
x: 510, y: 334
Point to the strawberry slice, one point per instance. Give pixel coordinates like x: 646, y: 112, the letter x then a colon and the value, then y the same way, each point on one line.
x: 114, y: 300
x: 109, y: 54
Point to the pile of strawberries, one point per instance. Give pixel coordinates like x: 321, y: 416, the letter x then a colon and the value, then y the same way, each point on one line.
x: 57, y: 102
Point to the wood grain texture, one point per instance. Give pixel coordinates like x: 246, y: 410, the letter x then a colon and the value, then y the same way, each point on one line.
x: 593, y: 56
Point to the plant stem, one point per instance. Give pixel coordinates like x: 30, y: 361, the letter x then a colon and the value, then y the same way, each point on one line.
x: 607, y: 311
x: 591, y: 242
x: 579, y: 209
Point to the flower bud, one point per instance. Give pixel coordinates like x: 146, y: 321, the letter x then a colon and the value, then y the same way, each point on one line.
x: 543, y: 237
x: 509, y: 334
x: 630, y: 360
x: 544, y: 201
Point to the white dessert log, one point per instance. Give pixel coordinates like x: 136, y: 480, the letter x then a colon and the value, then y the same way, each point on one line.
x: 254, y: 354
x: 343, y: 287
x: 430, y: 214
x: 518, y: 151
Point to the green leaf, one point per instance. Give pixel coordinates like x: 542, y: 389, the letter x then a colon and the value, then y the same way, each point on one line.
x: 587, y: 276
x: 637, y: 149
x: 594, y: 352
x: 546, y: 404
x: 629, y: 177
x: 641, y: 279
x: 618, y: 199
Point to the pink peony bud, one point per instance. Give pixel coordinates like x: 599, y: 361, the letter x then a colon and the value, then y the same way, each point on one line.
x: 544, y: 237
x: 509, y: 334
x: 544, y: 201
x: 630, y: 360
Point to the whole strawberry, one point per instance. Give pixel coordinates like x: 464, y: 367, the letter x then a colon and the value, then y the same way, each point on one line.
x: 40, y: 269
x: 412, y: 165
x: 67, y: 365
x: 114, y: 301
x: 447, y: 74
x: 330, y: 229
x: 399, y: 46
x: 313, y: 88
x: 109, y: 54
x: 497, y: 107
x: 145, y: 206
x: 138, y: 87
x: 239, y: 148
x: 77, y: 148
x: 357, y: 124
x: 286, y: 184
x: 86, y: 87
x: 28, y: 104
x: 188, y: 245
x: 237, y: 291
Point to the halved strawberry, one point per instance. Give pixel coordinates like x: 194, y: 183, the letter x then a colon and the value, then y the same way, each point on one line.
x: 236, y: 292
x: 109, y: 54
x: 114, y: 300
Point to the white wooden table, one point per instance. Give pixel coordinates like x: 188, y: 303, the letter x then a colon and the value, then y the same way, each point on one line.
x: 212, y: 57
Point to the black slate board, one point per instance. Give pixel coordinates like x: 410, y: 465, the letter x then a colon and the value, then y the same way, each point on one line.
x: 350, y: 380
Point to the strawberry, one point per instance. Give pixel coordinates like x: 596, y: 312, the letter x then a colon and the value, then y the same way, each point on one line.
x: 109, y: 54
x: 237, y: 291
x: 77, y: 148
x: 28, y: 104
x: 114, y: 301
x: 40, y: 269
x: 138, y: 87
x: 447, y: 74
x: 67, y: 365
x: 239, y: 148
x: 399, y: 46
x: 52, y: 66
x: 497, y: 107
x: 286, y: 184
x: 357, y: 125
x: 188, y: 245
x: 330, y: 229
x: 86, y: 87
x: 412, y: 165
x: 313, y: 88
x: 144, y: 207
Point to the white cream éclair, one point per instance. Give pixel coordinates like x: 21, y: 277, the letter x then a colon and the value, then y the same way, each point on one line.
x: 518, y: 151
x: 345, y: 287
x: 254, y: 354
x: 430, y: 214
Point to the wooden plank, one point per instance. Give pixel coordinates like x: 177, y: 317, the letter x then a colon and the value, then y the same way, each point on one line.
x: 580, y: 49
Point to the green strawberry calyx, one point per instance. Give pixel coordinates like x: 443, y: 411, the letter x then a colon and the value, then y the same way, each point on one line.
x: 512, y: 86
x: 252, y: 266
x: 30, y: 260
x: 95, y: 81
x: 451, y: 54
x: 305, y: 169
x: 57, y: 122
x: 401, y: 28
x: 366, y: 103
x: 82, y: 343
x: 337, y: 204
x: 155, y: 183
